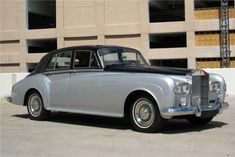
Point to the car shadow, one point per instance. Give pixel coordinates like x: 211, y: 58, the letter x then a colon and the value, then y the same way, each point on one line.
x: 178, y: 126
x: 175, y: 126
x: 86, y: 120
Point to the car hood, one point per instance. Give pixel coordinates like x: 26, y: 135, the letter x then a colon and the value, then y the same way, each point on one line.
x: 148, y: 69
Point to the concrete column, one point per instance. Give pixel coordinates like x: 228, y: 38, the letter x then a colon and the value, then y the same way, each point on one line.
x: 189, y: 14
x: 191, y: 40
x: 192, y: 63
x: 60, y: 23
x: 145, y: 45
x: 101, y: 40
x: 100, y: 20
x: 144, y: 24
x: 190, y: 23
x: 23, y: 23
x: 60, y: 42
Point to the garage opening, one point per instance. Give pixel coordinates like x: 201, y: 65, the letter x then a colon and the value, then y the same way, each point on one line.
x: 31, y: 66
x: 178, y: 63
x: 41, y: 14
x: 212, y: 38
x: 166, y: 10
x: 208, y: 62
x: 41, y: 45
x: 210, y: 3
x: 213, y: 62
x: 168, y: 40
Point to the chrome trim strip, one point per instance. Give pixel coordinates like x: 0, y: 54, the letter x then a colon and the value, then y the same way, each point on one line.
x: 56, y: 72
x: 86, y: 70
x: 71, y: 71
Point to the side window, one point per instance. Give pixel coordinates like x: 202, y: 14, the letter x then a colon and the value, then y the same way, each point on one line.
x: 85, y: 59
x: 93, y: 61
x: 129, y: 56
x: 60, y: 61
x: 111, y: 58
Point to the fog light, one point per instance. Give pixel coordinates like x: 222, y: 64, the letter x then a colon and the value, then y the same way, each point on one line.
x: 183, y: 101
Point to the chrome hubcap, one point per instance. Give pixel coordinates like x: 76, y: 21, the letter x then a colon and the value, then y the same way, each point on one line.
x: 35, y: 105
x: 143, y: 113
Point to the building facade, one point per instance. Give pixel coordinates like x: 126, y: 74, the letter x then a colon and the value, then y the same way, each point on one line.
x: 180, y: 33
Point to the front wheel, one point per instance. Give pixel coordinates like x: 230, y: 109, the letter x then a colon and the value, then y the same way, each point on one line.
x: 144, y: 114
x: 198, y: 120
x: 36, y: 108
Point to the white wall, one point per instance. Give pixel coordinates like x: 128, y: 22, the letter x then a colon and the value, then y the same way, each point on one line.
x: 8, y: 79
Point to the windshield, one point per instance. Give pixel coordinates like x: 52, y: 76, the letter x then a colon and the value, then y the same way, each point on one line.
x: 113, y: 56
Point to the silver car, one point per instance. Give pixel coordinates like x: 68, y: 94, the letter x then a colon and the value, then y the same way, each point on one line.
x: 117, y: 82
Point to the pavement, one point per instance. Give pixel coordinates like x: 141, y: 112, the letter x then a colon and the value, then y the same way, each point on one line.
x: 76, y: 135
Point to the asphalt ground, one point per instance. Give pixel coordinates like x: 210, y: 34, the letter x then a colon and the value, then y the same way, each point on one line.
x: 73, y: 135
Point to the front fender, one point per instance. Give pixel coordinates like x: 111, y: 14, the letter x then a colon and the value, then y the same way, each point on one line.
x: 160, y: 88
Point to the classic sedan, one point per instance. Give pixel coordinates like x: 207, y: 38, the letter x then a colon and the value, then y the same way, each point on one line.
x: 118, y: 82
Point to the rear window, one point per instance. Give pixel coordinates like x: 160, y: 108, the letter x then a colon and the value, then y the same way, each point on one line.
x: 60, y: 61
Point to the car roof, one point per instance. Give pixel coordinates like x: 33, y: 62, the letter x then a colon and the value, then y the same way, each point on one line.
x: 91, y: 47
x: 44, y: 61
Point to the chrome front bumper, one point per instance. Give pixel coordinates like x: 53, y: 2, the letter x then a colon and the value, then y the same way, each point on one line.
x: 193, y: 110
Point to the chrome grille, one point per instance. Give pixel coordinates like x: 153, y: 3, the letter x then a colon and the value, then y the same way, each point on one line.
x: 200, y: 87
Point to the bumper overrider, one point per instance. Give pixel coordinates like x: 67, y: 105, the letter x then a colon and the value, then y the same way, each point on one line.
x: 196, y: 108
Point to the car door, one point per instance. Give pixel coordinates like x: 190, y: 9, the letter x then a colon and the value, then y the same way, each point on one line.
x: 84, y: 83
x: 58, y: 72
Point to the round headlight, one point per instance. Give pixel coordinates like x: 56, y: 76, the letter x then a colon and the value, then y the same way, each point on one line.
x: 183, y: 88
x: 215, y: 86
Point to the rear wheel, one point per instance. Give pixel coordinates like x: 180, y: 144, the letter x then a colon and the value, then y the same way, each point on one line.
x: 198, y: 120
x: 36, y: 108
x: 144, y: 114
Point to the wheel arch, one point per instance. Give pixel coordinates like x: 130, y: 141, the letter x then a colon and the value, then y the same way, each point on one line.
x: 27, y: 95
x: 131, y: 97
